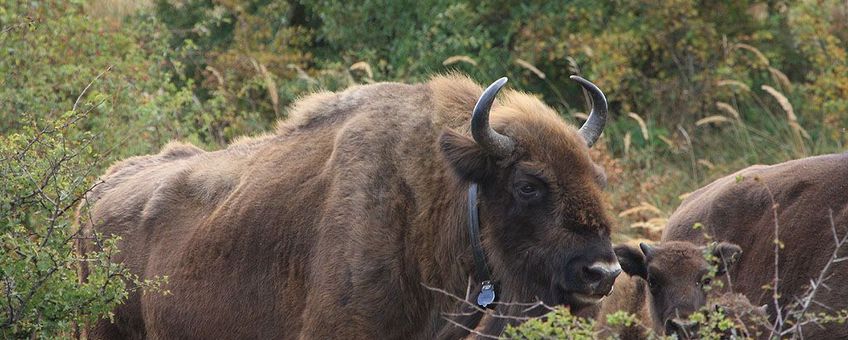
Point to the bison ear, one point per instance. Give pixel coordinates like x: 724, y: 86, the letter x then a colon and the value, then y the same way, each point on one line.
x: 727, y: 254
x: 632, y: 260
x: 466, y: 157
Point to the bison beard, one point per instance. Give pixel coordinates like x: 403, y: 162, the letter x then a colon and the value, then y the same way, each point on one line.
x: 335, y: 225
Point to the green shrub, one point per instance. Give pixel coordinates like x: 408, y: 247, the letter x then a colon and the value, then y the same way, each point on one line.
x: 76, y: 95
x: 46, y: 168
x: 672, y: 63
x: 557, y: 324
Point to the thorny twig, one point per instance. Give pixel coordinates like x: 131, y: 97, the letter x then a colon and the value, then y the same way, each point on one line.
x: 778, y: 323
x: 473, y: 331
x: 109, y: 68
x: 495, y: 315
x: 809, y: 298
x: 795, y: 316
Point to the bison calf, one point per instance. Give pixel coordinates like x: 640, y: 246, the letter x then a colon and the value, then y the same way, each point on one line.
x: 665, y: 284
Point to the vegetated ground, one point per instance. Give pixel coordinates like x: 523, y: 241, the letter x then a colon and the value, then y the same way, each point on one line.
x: 696, y: 90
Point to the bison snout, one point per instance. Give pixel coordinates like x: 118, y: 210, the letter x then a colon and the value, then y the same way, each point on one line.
x: 601, y: 276
x: 683, y: 328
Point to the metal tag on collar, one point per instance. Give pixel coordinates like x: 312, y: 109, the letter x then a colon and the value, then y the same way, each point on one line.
x: 487, y: 294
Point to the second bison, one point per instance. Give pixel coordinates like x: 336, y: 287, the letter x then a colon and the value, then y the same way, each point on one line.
x: 789, y: 219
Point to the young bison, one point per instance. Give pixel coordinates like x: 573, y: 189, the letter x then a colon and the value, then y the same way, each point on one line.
x: 665, y: 284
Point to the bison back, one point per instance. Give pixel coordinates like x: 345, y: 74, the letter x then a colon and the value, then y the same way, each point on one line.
x: 804, y: 203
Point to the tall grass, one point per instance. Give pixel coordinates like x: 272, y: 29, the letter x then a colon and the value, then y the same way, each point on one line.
x: 658, y: 167
x: 113, y: 11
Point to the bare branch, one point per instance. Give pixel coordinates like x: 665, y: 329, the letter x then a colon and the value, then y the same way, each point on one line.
x: 530, y: 305
x: 800, y: 316
x: 453, y: 296
x: 473, y: 331
x: 74, y: 108
x: 779, y: 320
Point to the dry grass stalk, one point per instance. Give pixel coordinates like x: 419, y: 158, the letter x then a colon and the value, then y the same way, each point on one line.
x: 729, y: 109
x: 580, y: 115
x: 667, y: 141
x: 627, y: 140
x: 523, y: 63
x: 758, y: 11
x: 217, y: 75
x: 115, y: 10
x: 790, y: 113
x: 363, y: 66
x: 459, y: 58
x: 270, y: 84
x: 762, y: 57
x: 656, y: 224
x: 712, y: 119
x: 781, y: 79
x: 643, y: 206
x: 301, y: 74
x: 734, y: 83
x: 783, y: 101
x: 572, y: 65
x: 642, y: 125
x: 706, y: 163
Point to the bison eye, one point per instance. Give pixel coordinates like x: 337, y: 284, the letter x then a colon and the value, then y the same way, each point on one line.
x: 527, y: 190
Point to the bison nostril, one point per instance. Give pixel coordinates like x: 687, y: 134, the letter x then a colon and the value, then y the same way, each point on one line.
x: 684, y: 329
x: 601, y: 276
x: 593, y: 274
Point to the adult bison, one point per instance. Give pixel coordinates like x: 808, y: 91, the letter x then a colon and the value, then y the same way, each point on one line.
x: 804, y: 203
x: 339, y: 223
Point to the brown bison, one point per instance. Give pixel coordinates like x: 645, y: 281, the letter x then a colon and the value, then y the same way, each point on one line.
x: 665, y: 283
x: 343, y: 222
x: 804, y: 204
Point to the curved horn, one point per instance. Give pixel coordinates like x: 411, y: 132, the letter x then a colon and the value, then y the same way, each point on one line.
x: 647, y: 249
x: 593, y: 126
x: 491, y: 141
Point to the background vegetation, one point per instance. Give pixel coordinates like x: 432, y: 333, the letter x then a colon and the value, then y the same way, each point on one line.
x: 697, y: 88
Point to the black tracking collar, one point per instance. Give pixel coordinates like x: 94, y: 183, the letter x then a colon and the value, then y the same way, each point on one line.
x: 481, y: 272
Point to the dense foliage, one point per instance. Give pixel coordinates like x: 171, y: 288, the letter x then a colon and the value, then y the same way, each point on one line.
x: 698, y: 88
x: 760, y: 81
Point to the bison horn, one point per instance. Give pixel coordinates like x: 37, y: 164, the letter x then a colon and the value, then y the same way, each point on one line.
x: 489, y: 139
x: 647, y: 249
x: 593, y: 126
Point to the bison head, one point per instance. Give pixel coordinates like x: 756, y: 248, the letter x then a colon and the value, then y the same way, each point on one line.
x: 677, y: 274
x: 544, y: 228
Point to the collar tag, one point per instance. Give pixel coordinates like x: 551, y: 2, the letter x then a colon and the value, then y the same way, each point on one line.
x: 487, y: 294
